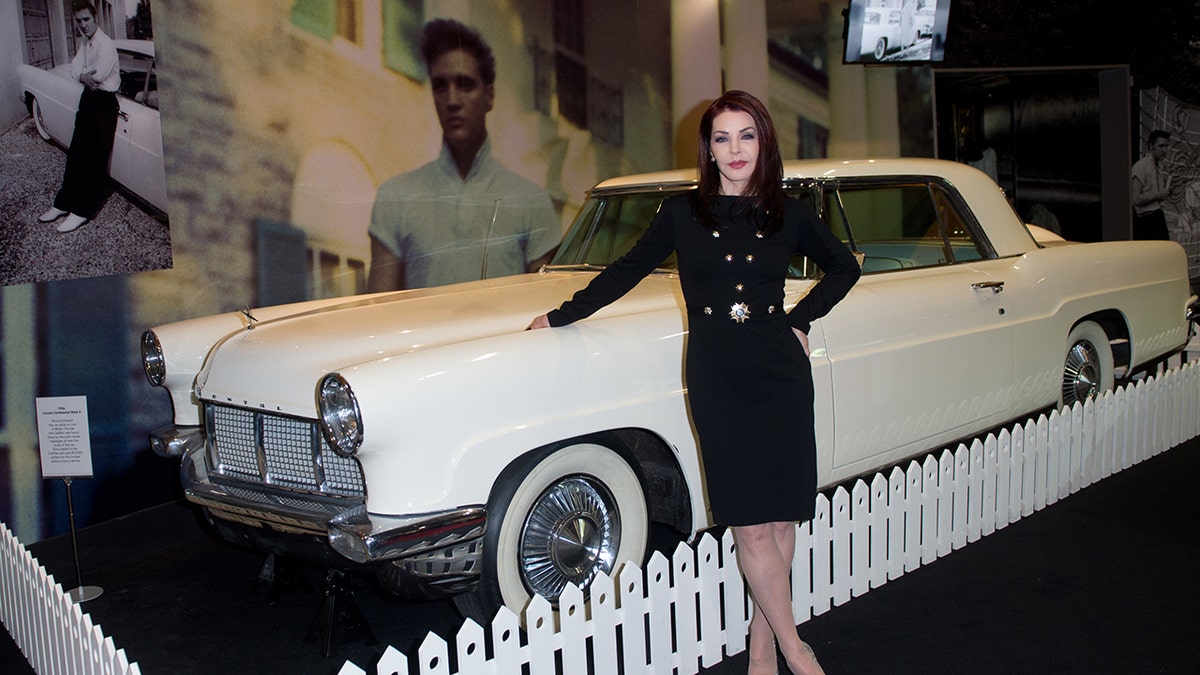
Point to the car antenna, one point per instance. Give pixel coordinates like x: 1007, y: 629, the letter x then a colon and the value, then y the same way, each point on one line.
x: 488, y: 237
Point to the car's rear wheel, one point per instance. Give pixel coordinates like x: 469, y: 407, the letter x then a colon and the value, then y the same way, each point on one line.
x: 1088, y: 366
x: 881, y: 49
x: 35, y: 109
x: 557, y: 517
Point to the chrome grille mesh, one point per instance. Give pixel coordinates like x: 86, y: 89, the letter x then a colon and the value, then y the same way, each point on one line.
x: 286, y: 452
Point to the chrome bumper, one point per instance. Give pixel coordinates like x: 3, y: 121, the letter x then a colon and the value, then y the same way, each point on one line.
x: 173, y: 441
x: 362, y: 537
x: 406, y: 542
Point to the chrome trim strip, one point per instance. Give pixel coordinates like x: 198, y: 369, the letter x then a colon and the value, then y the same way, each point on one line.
x: 364, y: 537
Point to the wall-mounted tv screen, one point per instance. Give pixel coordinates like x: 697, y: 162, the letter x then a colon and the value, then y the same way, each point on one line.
x: 896, y: 31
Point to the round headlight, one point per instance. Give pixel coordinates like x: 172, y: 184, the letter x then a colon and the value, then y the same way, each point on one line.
x: 340, y: 418
x: 153, y: 361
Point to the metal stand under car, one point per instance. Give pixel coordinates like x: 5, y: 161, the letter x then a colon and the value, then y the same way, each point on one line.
x: 80, y: 593
x: 339, y: 618
x: 279, y: 576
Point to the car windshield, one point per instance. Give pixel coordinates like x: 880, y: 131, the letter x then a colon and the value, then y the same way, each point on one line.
x: 891, y: 223
x: 610, y: 223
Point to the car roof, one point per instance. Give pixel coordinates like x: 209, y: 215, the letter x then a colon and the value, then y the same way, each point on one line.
x: 816, y: 168
x: 1006, y: 232
x: 142, y: 47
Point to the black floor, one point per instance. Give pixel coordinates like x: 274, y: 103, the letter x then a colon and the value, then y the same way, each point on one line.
x: 1105, y: 581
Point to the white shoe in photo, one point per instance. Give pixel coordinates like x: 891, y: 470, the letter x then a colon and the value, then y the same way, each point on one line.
x: 52, y: 214
x: 71, y: 223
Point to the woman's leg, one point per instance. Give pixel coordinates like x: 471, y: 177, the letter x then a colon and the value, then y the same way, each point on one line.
x: 765, y: 553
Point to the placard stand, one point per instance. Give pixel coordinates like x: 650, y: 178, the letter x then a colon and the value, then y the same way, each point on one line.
x: 80, y: 593
x: 66, y: 452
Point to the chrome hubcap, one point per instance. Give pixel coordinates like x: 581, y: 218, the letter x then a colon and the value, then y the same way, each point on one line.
x: 1081, y: 373
x: 572, y: 533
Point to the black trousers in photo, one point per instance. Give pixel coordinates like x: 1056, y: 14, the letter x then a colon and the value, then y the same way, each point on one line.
x: 1150, y: 225
x: 86, y: 184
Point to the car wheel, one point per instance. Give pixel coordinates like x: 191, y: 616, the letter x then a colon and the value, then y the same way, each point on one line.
x: 557, y: 517
x: 1088, y: 367
x: 881, y: 49
x: 38, y: 121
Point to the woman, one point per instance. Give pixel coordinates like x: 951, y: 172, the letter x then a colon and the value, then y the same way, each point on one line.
x: 749, y: 380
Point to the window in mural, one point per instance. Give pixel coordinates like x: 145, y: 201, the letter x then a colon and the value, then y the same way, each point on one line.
x: 315, y: 16
x: 331, y: 275
x: 348, y: 23
x: 543, y: 78
x: 401, y: 25
x: 814, y: 140
x: 570, y: 66
x: 402, y: 21
x: 606, y: 111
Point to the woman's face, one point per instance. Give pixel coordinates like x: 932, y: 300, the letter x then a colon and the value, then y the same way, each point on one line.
x: 734, y: 147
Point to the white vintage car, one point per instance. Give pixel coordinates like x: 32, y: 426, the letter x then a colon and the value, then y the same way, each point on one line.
x: 428, y: 434
x: 52, y: 97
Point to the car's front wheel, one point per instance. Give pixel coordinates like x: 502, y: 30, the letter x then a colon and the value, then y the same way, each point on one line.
x: 35, y: 109
x: 881, y: 47
x: 555, y: 517
x: 1088, y: 366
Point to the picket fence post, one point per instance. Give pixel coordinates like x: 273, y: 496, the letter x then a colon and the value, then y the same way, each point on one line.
x: 683, y: 595
x: 506, y: 643
x: 945, y: 504
x: 842, y: 531
x: 712, y: 637
x: 860, y: 539
x: 604, y: 623
x: 633, y: 608
x: 880, y: 537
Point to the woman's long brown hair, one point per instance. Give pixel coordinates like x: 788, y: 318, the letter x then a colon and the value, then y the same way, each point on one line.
x: 764, y: 193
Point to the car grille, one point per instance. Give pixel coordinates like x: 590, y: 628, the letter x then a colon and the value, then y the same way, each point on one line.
x: 284, y: 452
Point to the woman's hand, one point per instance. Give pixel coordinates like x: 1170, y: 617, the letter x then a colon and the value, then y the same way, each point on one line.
x: 803, y: 340
x: 539, y: 321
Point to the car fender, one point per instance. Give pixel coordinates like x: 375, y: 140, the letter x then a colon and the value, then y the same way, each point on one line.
x: 58, y: 96
x: 1057, y: 289
x: 420, y: 453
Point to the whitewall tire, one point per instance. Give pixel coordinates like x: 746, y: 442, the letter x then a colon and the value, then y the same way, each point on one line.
x: 35, y: 110
x: 1087, y: 366
x: 556, y: 517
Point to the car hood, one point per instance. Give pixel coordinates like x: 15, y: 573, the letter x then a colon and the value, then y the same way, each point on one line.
x: 275, y: 364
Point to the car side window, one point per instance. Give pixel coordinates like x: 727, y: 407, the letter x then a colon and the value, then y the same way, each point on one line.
x: 962, y: 243
x: 904, y: 226
x: 138, y: 81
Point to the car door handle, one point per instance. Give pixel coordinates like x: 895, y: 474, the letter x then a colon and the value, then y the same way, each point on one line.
x: 996, y: 286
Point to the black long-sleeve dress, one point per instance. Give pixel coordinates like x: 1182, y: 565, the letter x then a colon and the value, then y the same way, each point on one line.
x: 749, y: 381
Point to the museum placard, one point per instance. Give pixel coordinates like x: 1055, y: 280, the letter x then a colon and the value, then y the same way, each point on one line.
x: 63, y: 439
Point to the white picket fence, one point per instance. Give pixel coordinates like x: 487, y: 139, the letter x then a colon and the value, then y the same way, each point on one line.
x: 692, y: 611
x: 49, y: 627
